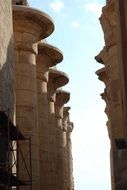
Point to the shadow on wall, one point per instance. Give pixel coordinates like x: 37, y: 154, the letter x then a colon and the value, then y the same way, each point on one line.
x: 7, y: 94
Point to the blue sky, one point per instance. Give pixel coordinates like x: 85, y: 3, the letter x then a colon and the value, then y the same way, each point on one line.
x: 79, y: 36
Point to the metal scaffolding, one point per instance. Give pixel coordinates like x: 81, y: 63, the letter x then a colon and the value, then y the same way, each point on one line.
x: 12, y: 158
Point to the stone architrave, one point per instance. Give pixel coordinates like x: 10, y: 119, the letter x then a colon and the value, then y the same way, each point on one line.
x: 48, y: 56
x: 30, y: 26
x: 62, y: 97
x: 56, y: 80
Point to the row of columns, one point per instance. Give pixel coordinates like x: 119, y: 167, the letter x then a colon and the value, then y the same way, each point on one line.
x: 112, y: 74
x: 40, y: 111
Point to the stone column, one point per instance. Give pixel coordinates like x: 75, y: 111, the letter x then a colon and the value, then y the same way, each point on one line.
x: 57, y: 79
x: 69, y: 155
x: 102, y: 75
x: 66, y: 155
x: 62, y: 97
x: 65, y: 118
x: 48, y: 56
x: 30, y: 26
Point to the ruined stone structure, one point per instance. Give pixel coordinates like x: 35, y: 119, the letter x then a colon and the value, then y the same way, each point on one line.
x: 114, y: 75
x: 31, y: 92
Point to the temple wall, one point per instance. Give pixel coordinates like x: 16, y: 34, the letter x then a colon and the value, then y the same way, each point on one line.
x: 113, y: 74
x: 6, y: 58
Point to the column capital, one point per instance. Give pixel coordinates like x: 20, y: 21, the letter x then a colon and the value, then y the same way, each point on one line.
x: 102, y: 57
x: 30, y: 26
x: 66, y: 111
x: 62, y: 97
x: 57, y: 79
x: 104, y: 96
x: 49, y: 55
x: 101, y: 73
x: 70, y: 127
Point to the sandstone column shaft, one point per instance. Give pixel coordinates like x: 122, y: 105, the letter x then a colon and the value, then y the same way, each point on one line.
x: 56, y: 80
x: 47, y: 56
x: 69, y: 154
x: 26, y: 109
x: 28, y: 30
x: 52, y: 131
x: 66, y: 150
x: 62, y: 97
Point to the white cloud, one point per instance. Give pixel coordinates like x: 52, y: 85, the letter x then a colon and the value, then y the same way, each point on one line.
x: 94, y: 7
x: 57, y: 5
x: 75, y: 24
